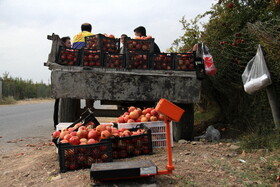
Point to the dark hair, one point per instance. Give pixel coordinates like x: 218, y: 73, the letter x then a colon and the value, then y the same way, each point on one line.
x: 86, y: 27
x: 65, y: 38
x: 141, y: 30
x: 123, y: 35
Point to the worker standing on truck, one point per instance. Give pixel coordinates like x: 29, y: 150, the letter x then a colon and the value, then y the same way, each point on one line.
x: 78, y: 43
x: 141, y: 31
x: 123, y: 36
x: 67, y: 42
x: 79, y: 39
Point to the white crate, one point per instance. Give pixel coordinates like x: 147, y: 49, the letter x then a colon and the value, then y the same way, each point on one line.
x: 157, y: 129
x: 61, y: 126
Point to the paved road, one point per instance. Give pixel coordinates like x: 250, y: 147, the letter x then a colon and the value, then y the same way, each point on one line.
x: 26, y: 120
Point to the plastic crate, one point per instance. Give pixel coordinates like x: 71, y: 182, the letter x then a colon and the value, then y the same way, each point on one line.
x: 101, y: 42
x: 136, y: 45
x: 73, y: 157
x: 184, y: 61
x: 114, y: 60
x: 129, y: 146
x: 68, y: 56
x: 157, y: 131
x: 162, y: 61
x: 135, y: 60
x: 91, y: 58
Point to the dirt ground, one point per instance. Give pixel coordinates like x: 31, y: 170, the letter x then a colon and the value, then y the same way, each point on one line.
x: 34, y: 162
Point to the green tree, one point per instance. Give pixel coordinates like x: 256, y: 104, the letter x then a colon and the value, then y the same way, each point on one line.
x: 234, y: 29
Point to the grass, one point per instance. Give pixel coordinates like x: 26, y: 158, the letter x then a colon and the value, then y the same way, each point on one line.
x: 263, y: 139
x: 7, y: 100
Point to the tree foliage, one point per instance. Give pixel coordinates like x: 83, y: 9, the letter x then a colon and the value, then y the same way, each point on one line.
x: 234, y: 29
x: 22, y: 89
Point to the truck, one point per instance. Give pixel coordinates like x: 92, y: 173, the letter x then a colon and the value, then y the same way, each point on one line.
x: 125, y: 87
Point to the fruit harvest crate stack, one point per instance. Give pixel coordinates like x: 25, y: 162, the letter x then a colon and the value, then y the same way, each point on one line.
x: 91, y: 58
x: 83, y: 156
x: 157, y: 131
x: 135, y: 145
x: 114, y: 60
x: 102, y: 43
x: 162, y: 61
x: 138, y: 52
x: 73, y: 157
x: 138, y: 60
x: 184, y: 61
x: 138, y: 45
x: 68, y: 56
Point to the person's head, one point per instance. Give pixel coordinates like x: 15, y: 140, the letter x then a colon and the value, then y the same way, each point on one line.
x: 140, y: 31
x: 67, y: 41
x: 123, y: 36
x: 86, y: 27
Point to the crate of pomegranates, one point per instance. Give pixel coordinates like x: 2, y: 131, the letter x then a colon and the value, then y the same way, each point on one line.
x: 139, y: 44
x: 81, y: 145
x: 137, y: 60
x: 184, y: 61
x: 68, y: 56
x: 151, y: 119
x: 162, y: 61
x: 103, y: 42
x: 114, y: 60
x: 73, y: 156
x: 91, y: 58
x: 131, y: 142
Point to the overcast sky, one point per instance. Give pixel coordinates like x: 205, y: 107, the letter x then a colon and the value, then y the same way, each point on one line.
x: 25, y: 24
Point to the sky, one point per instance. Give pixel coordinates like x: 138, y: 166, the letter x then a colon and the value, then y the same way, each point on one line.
x: 25, y: 24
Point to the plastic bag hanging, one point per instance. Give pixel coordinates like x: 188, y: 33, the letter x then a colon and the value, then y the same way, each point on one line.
x: 256, y: 75
x: 210, y: 68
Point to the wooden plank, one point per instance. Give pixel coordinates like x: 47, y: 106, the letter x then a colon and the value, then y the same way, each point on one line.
x: 56, y: 42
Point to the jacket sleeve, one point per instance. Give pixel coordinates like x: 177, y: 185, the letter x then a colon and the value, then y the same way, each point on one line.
x: 156, y: 49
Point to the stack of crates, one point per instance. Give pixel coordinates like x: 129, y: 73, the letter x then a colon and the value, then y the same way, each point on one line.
x: 158, y: 131
x: 138, y: 53
x: 104, y: 49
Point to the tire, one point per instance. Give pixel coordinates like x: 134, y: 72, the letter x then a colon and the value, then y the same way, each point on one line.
x: 69, y: 110
x: 184, y: 128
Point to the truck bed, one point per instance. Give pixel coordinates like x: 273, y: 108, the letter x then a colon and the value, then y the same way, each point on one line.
x: 120, y: 85
x: 125, y: 85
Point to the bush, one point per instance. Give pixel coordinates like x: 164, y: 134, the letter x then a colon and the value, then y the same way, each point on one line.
x: 7, y: 100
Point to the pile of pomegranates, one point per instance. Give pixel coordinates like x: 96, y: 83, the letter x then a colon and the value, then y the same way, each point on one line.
x: 138, y: 115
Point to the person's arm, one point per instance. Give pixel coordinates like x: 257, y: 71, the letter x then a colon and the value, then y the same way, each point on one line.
x: 156, y: 49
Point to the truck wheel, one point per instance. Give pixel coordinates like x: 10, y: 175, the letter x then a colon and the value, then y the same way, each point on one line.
x: 184, y: 128
x: 69, y: 110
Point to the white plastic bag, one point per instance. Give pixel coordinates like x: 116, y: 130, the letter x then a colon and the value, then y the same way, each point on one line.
x: 256, y: 75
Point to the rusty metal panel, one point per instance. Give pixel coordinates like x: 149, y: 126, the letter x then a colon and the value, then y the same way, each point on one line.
x: 136, y: 85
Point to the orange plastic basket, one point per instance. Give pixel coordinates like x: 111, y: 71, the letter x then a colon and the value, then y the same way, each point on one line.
x: 169, y: 109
